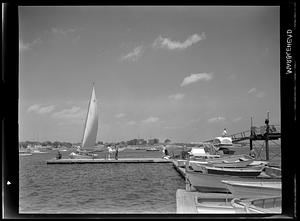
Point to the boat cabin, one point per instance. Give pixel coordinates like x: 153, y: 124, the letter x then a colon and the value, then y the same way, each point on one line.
x: 223, y: 141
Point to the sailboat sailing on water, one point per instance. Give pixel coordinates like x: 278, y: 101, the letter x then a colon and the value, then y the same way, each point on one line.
x: 90, y: 130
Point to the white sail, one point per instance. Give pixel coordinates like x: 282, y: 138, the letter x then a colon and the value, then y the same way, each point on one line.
x: 91, y: 123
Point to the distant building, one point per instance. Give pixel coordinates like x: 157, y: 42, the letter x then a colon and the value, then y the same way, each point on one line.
x: 153, y: 141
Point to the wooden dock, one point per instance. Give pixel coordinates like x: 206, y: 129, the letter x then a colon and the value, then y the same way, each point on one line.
x: 180, y: 170
x: 120, y: 160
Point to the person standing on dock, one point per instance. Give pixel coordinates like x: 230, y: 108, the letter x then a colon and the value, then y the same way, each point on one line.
x: 109, y: 151
x: 58, y: 155
x: 117, y: 152
x: 164, y: 150
x: 224, y: 133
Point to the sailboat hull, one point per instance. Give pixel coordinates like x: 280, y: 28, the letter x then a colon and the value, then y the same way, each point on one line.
x: 82, y: 156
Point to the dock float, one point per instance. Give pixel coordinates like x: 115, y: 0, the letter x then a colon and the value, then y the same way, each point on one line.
x: 180, y: 169
x: 120, y: 160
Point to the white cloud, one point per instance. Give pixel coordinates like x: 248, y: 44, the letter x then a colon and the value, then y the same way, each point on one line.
x: 23, y: 46
x: 150, y: 120
x: 40, y: 110
x: 176, y: 96
x: 252, y: 90
x: 74, y: 112
x: 257, y: 93
x: 33, y: 107
x: 132, y: 122
x: 237, y: 119
x: 62, y: 31
x: 167, y: 43
x: 196, y: 77
x: 44, y: 110
x: 29, y: 45
x: 120, y: 115
x: 215, y: 119
x: 134, y: 55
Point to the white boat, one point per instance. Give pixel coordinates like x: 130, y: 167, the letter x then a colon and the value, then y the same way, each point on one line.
x: 273, y: 171
x: 37, y: 151
x: 25, y: 154
x: 204, y: 203
x: 260, y: 205
x: 248, y: 189
x: 205, y: 182
x: 90, y: 131
x: 152, y: 149
x: 233, y: 161
x: 223, y: 141
x: 243, y: 171
x: 219, y: 204
x: 63, y: 150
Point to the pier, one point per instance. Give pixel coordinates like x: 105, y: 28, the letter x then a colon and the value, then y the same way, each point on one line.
x: 99, y: 161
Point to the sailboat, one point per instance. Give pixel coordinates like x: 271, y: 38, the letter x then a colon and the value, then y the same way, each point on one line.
x: 90, y: 131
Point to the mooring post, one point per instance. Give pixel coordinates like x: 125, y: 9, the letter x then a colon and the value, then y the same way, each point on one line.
x: 267, y: 136
x: 251, y: 136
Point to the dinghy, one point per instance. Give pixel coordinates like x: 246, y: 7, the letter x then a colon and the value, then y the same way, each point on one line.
x: 250, y: 189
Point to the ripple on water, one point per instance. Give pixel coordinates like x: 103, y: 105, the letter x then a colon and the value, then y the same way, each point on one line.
x: 97, y: 188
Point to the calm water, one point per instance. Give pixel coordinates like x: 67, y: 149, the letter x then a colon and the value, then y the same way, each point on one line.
x: 97, y: 188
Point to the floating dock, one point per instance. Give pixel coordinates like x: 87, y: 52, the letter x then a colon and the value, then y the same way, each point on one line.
x: 179, y: 169
x: 120, y: 160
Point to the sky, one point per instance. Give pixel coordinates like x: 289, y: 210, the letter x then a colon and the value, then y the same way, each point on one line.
x: 166, y: 72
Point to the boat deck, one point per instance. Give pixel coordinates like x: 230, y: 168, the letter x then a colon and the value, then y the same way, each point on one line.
x: 120, y: 160
x: 186, y: 201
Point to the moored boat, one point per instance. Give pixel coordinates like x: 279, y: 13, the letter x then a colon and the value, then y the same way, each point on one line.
x: 37, y: 151
x: 215, y: 205
x: 152, y: 149
x: 273, y: 171
x: 248, y: 189
x: 25, y: 154
x: 243, y: 171
x: 205, y: 182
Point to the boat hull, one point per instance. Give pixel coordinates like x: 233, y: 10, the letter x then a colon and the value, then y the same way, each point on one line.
x: 248, y: 172
x: 250, y: 189
x: 261, y: 205
x: 233, y: 164
x: 213, y: 182
x: 243, y: 171
x: 81, y: 156
x: 25, y: 154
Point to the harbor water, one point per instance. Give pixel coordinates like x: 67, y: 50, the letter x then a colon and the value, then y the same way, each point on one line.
x: 97, y: 188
